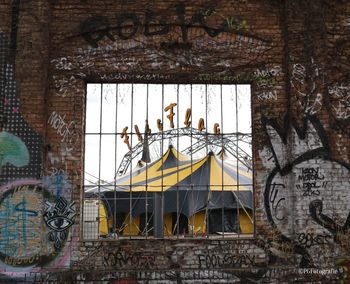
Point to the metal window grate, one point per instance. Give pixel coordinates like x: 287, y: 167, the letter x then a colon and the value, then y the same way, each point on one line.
x: 167, y: 160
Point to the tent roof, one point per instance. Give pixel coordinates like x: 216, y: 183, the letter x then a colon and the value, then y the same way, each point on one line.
x: 175, y: 171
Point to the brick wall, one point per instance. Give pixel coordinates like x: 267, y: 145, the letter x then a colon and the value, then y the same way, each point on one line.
x: 295, y: 56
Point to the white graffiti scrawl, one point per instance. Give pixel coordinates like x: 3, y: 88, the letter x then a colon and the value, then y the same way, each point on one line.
x: 265, y: 82
x: 306, y: 92
x: 341, y: 106
x: 66, y: 130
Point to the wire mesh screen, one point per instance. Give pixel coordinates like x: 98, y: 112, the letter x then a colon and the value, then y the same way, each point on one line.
x: 167, y: 160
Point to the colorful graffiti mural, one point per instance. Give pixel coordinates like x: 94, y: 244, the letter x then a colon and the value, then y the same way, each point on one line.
x: 20, y: 145
x: 31, y: 236
x: 28, y: 235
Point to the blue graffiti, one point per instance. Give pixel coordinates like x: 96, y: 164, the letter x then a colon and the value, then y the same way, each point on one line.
x: 59, y: 185
x: 16, y: 221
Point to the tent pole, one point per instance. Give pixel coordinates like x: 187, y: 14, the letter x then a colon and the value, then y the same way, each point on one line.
x: 158, y: 221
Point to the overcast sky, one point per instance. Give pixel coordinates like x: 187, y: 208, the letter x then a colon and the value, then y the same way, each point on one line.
x: 120, y: 109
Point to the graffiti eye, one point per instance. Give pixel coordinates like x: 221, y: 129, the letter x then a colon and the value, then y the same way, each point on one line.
x: 59, y: 223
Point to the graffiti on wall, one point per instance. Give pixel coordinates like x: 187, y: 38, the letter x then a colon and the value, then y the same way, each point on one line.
x: 338, y: 68
x: 227, y: 260
x: 97, y: 28
x: 27, y: 242
x: 59, y: 217
x: 340, y: 95
x: 122, y: 259
x: 20, y: 234
x: 26, y: 225
x: 20, y: 145
x: 34, y: 227
x: 66, y: 130
x: 170, y: 39
x: 319, y: 192
x: 309, y: 99
x: 234, y: 259
x: 12, y: 150
x: 31, y: 236
x: 265, y: 81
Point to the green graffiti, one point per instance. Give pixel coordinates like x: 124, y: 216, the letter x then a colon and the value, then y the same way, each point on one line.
x: 231, y: 22
x: 13, y: 150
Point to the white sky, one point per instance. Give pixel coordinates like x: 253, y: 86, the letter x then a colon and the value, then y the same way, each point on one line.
x: 118, y: 104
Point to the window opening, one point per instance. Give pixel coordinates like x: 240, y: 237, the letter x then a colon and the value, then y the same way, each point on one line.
x: 167, y: 160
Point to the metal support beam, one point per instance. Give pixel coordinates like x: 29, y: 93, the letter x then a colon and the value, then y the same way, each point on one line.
x: 158, y: 220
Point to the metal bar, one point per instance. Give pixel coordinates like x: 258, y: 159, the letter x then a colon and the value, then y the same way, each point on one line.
x: 177, y: 165
x: 158, y: 207
x: 237, y: 167
x: 114, y: 215
x: 82, y: 194
x: 206, y: 137
x: 99, y: 164
x: 158, y: 196
x: 199, y: 145
x: 222, y: 167
x: 130, y: 176
x: 191, y: 144
x: 144, y: 141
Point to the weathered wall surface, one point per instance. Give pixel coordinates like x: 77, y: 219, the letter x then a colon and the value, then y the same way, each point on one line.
x: 294, y: 53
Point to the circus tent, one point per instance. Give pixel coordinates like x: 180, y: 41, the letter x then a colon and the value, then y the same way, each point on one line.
x: 186, y: 186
